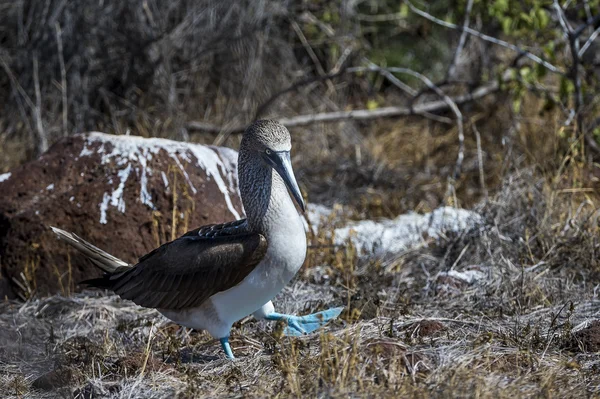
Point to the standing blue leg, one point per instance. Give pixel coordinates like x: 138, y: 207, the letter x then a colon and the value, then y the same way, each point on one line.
x: 302, y: 325
x: 227, y: 348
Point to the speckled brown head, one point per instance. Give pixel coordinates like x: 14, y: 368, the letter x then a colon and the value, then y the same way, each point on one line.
x: 266, y: 134
x: 266, y: 146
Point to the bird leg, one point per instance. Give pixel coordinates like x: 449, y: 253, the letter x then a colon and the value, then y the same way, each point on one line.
x: 226, y: 347
x: 302, y: 325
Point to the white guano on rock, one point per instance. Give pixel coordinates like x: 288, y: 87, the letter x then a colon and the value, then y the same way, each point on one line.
x: 388, y: 237
x: 131, y: 154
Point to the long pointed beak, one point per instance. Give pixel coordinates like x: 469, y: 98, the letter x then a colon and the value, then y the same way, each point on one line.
x: 281, y: 162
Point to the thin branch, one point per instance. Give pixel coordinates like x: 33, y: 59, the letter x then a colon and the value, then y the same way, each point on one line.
x: 34, y: 108
x: 361, y: 114
x: 310, y: 52
x: 16, y: 83
x: 592, y: 21
x: 589, y: 139
x: 451, y: 104
x: 461, y: 41
x: 63, y: 78
x: 386, y: 73
x: 562, y: 19
x: 443, y: 83
x: 588, y: 10
x: 262, y: 109
x: 485, y: 37
x: 480, y: 161
x: 310, y: 18
x: 401, y: 19
x: 589, y: 42
x: 198, y: 126
x: 437, y: 118
x: 574, y: 72
x: 37, y: 112
x: 342, y: 60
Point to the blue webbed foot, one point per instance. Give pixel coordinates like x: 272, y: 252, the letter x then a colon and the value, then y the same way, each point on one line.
x: 226, y: 347
x: 302, y: 325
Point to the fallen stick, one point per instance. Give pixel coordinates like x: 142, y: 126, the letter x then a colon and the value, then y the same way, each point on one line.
x: 359, y: 114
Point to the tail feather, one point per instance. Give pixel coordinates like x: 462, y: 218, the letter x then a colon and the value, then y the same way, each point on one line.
x: 102, y: 259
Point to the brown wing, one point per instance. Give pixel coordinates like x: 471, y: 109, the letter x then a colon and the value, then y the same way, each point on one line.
x: 187, y: 271
x: 222, y: 229
x: 208, y: 231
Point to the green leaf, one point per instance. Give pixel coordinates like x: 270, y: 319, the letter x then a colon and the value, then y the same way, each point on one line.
x: 596, y: 134
x: 542, y: 17
x: 525, y: 72
x: 506, y: 25
x: 372, y: 104
x: 404, y: 10
x: 549, y: 49
x: 516, y: 104
x: 566, y: 88
x: 525, y: 17
x: 501, y: 6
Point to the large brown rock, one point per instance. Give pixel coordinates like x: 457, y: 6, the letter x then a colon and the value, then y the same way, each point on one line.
x: 125, y: 194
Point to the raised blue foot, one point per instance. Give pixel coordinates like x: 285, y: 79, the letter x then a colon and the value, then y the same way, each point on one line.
x: 302, y: 325
x: 227, y: 348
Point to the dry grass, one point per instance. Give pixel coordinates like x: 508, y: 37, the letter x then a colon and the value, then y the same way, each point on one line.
x: 410, y: 328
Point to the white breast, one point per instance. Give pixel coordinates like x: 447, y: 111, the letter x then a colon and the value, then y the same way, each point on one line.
x: 285, y: 255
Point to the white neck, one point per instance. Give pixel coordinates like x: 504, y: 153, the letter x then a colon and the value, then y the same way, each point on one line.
x: 269, y: 207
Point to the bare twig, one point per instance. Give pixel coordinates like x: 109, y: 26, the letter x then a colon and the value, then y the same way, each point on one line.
x: 461, y: 41
x: 480, y: 161
x: 42, y: 139
x: 262, y: 109
x: 485, y: 37
x: 387, y: 73
x: 147, y: 351
x: 311, y: 52
x: 589, y: 42
x: 398, y: 17
x: 16, y: 83
x: 574, y: 70
x: 591, y: 21
x: 310, y: 18
x: 451, y: 105
x: 342, y: 60
x: 591, y: 143
x: 588, y: 10
x: 361, y: 114
x: 63, y: 79
x: 562, y: 19
x: 384, y: 72
x: 441, y: 84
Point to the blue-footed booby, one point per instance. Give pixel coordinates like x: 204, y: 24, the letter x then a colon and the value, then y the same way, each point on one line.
x: 215, y: 275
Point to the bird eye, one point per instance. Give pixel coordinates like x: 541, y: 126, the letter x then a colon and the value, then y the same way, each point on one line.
x: 268, y: 152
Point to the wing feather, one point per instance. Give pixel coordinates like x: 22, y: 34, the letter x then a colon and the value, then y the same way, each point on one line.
x: 187, y: 271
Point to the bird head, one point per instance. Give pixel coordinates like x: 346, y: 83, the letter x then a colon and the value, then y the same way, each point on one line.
x: 271, y: 141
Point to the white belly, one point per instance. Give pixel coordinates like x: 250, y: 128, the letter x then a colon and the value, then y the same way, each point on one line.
x: 283, y: 259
